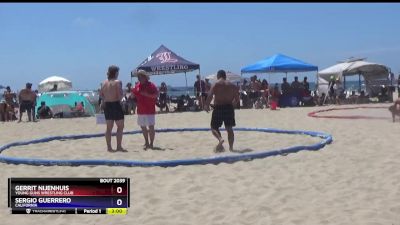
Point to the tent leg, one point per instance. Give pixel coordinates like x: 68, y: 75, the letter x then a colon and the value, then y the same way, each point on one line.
x: 359, y: 83
x: 317, y: 86
x: 187, y: 92
x: 344, y: 83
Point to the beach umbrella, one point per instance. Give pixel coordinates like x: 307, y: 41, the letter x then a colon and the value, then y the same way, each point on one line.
x: 231, y: 77
x: 48, y: 83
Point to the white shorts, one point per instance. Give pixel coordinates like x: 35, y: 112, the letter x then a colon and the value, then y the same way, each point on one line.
x: 146, y: 120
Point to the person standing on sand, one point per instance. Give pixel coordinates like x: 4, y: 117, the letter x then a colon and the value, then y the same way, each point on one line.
x: 111, y: 95
x: 9, y: 98
x: 27, y: 99
x: 226, y: 99
x: 146, y: 94
x: 200, y: 91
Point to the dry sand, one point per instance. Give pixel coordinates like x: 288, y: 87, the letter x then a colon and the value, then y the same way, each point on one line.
x: 355, y: 180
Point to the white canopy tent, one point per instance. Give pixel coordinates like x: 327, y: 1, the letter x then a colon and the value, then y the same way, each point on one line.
x: 48, y: 83
x: 231, y: 77
x: 374, y: 74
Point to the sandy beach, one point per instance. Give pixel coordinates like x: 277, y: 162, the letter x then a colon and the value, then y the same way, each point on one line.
x: 354, y: 180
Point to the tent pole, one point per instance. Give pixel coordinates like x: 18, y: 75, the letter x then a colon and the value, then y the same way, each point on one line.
x: 316, y: 89
x: 187, y: 92
x: 359, y: 83
x: 344, y: 83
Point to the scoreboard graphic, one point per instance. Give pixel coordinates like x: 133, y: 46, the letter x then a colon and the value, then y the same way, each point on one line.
x: 68, y: 195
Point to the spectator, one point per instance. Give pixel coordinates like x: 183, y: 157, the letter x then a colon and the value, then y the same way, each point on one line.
x: 306, y: 85
x: 162, y: 100
x: 27, y: 99
x: 296, y: 87
x: 208, y: 85
x: 44, y: 112
x: 146, y: 94
x: 79, y: 109
x: 10, y: 102
x: 200, y: 91
x: 332, y: 96
x: 398, y: 86
x: 255, y: 88
x: 285, y: 87
x: 265, y: 92
x: 54, y: 88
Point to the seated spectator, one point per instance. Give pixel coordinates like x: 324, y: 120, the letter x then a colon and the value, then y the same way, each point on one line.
x: 275, y: 93
x: 181, y: 104
x: 383, y: 95
x: 315, y: 96
x: 79, y: 109
x: 306, y: 99
x: 353, y: 98
x: 191, y: 105
x: 44, y: 112
x: 362, y: 98
x: 54, y: 88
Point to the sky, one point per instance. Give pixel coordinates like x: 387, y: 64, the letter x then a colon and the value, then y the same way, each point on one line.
x: 79, y: 41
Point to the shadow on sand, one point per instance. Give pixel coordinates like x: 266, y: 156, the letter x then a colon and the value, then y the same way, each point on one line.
x: 241, y: 151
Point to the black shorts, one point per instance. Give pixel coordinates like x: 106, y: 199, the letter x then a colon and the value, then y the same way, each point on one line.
x: 254, y: 95
x: 26, y: 106
x: 113, y: 111
x: 225, y: 114
x: 163, y: 96
x: 204, y: 95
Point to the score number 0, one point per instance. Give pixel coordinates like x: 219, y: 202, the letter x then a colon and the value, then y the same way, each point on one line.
x: 119, y: 191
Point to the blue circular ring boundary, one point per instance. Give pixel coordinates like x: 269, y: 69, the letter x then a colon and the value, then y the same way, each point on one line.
x: 327, y: 139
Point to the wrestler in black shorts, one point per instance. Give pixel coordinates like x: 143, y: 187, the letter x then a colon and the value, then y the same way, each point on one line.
x: 113, y: 111
x: 26, y: 106
x: 223, y: 113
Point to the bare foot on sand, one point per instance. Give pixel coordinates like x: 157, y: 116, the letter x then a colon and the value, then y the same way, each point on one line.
x: 146, y: 146
x: 121, y: 150
x: 110, y: 150
x: 219, y: 147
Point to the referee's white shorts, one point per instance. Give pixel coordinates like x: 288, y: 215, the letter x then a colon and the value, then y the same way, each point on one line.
x: 146, y: 120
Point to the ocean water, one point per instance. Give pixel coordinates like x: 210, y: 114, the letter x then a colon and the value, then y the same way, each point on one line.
x: 178, y: 91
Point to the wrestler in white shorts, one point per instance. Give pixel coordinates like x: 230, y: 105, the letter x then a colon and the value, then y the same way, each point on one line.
x: 146, y: 120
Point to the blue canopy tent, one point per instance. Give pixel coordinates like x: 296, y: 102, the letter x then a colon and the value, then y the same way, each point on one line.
x: 164, y: 61
x: 279, y: 63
